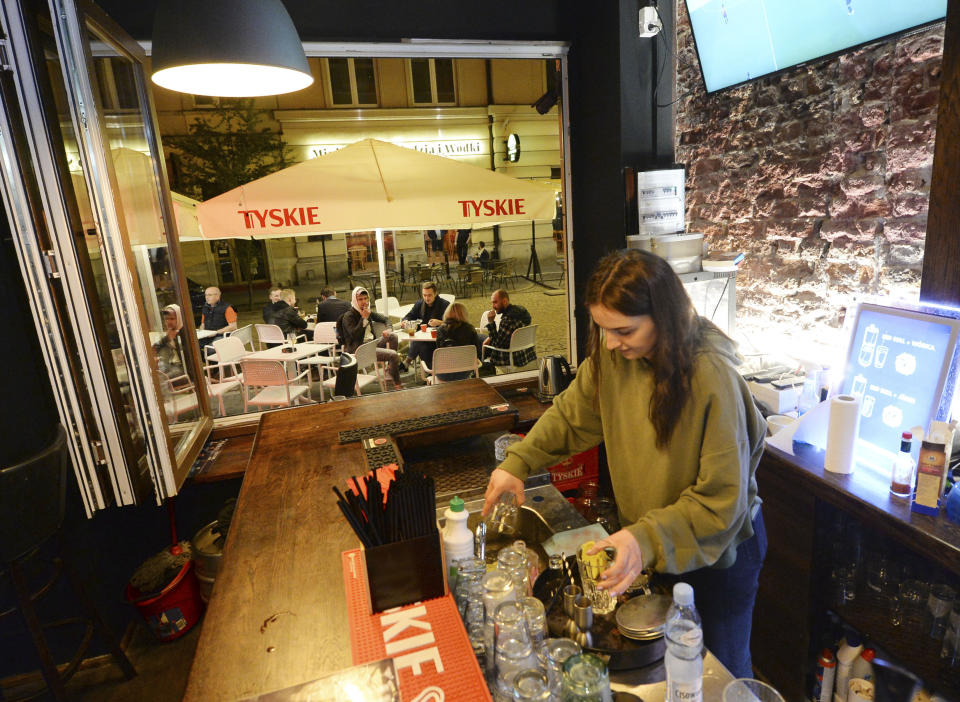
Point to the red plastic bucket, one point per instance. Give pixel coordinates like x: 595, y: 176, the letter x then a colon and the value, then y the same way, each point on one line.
x: 173, y: 612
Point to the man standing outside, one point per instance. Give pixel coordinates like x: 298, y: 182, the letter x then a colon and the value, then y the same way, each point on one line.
x: 217, y: 315
x: 330, y: 307
x: 429, y: 310
x: 512, y: 317
x: 463, y: 243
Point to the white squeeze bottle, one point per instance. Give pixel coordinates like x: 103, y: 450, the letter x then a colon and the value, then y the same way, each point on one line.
x: 862, y: 668
x: 684, y: 636
x: 846, y: 655
x: 457, y: 539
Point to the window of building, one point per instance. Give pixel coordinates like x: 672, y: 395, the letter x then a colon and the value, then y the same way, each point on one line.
x: 206, y: 101
x: 432, y: 81
x: 352, y: 82
x: 117, y: 84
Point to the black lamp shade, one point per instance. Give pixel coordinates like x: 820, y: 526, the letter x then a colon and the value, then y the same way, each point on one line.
x: 230, y: 48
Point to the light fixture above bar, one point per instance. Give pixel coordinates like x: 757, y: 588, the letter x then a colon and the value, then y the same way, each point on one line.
x: 227, y: 48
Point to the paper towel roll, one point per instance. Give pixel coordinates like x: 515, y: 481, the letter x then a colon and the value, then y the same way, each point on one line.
x: 842, y: 430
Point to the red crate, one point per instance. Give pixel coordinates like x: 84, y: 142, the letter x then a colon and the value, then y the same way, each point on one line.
x: 581, y: 467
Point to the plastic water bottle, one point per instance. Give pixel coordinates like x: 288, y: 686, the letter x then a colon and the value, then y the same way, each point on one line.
x: 684, y: 636
x: 457, y: 539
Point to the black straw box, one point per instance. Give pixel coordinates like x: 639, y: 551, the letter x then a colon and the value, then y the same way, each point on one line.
x: 405, y: 572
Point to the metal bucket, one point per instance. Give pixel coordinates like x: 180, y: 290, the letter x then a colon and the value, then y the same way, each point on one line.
x: 207, y: 555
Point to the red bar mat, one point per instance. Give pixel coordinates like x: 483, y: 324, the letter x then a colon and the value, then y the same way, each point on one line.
x: 426, y: 640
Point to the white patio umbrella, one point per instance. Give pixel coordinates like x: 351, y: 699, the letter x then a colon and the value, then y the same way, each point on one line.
x: 375, y: 185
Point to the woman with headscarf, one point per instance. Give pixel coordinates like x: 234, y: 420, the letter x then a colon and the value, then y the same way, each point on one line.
x: 167, y: 349
x: 360, y: 324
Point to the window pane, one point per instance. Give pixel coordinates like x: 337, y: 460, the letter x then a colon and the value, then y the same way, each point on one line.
x: 444, y: 71
x: 126, y: 85
x: 420, y: 72
x: 366, y: 81
x: 340, y: 81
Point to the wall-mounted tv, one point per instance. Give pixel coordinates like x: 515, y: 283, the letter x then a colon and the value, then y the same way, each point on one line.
x: 740, y: 40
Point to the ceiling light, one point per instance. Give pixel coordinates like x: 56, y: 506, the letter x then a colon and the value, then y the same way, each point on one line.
x: 229, y: 48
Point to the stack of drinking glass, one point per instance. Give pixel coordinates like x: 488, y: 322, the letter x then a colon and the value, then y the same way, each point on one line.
x: 507, y: 628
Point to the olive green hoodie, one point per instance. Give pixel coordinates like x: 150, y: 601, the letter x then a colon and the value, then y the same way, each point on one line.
x: 689, y: 504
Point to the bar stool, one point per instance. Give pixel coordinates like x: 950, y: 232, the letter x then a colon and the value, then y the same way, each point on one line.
x: 32, y: 502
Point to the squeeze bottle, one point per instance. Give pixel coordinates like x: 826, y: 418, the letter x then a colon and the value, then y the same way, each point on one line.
x: 457, y: 539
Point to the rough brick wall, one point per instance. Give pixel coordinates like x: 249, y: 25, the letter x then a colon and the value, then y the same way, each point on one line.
x: 820, y: 175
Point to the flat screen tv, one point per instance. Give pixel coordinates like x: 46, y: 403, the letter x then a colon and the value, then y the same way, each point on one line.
x: 740, y: 40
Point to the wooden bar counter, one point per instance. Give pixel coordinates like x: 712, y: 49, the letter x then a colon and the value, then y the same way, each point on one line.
x: 277, y: 614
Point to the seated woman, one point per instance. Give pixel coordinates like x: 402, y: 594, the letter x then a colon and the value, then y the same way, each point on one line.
x: 283, y: 313
x: 360, y: 324
x: 455, y: 331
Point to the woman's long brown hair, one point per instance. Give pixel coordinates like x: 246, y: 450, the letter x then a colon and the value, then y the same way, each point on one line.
x: 636, y: 283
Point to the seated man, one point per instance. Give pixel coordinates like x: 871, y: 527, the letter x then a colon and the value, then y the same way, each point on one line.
x: 429, y: 310
x: 330, y: 308
x: 360, y: 324
x: 483, y: 256
x: 276, y: 294
x: 285, y: 315
x: 217, y: 315
x: 512, y: 317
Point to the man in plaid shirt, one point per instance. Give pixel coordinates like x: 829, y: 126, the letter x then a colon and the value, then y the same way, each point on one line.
x: 512, y: 317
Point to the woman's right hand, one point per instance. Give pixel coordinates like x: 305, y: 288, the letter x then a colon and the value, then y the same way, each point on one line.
x: 500, y: 482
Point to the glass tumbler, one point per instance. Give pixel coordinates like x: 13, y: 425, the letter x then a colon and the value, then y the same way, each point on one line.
x: 553, y: 653
x: 514, y: 651
x: 497, y: 589
x: 950, y: 650
x: 531, y: 685
x: 536, y: 619
x: 591, y: 568
x: 939, y: 605
x: 585, y: 679
x: 502, y: 520
x: 514, y: 561
x: 750, y: 690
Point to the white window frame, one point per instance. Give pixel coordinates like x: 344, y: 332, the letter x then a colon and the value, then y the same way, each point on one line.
x: 354, y: 100
x: 433, y: 82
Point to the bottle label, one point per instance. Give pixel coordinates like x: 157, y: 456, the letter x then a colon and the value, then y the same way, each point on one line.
x: 686, y: 691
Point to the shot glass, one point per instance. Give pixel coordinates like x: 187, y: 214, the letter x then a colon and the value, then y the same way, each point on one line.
x: 591, y: 568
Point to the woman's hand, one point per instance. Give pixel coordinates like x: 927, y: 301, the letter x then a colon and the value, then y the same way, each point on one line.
x: 626, y: 567
x: 500, y: 482
x: 435, y: 322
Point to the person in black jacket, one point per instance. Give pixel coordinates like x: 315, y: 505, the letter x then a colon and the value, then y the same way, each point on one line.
x: 330, y: 308
x: 276, y: 294
x: 285, y: 315
x: 429, y: 309
x: 455, y: 331
x: 463, y: 243
x: 360, y: 324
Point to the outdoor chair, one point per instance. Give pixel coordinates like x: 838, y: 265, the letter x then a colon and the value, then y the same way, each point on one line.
x: 223, y: 374
x: 392, y: 308
x: 474, y: 280
x: 272, y: 386
x: 448, y: 297
x: 502, y: 272
x: 245, y: 334
x: 179, y: 396
x: 366, y: 356
x: 450, y: 359
x: 521, y: 340
x: 269, y: 334
x: 323, y: 333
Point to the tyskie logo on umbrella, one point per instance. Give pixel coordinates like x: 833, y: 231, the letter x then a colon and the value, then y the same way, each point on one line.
x: 281, y: 217
x: 493, y: 208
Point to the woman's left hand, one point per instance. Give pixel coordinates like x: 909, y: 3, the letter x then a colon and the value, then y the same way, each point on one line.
x: 626, y: 567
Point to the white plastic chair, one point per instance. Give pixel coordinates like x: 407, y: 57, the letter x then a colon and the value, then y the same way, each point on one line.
x: 276, y: 389
x: 451, y: 359
x: 522, y: 339
x: 449, y: 297
x: 392, y: 307
x: 323, y: 333
x: 269, y: 334
x: 245, y: 334
x: 179, y: 396
x: 216, y: 391
x: 226, y: 353
x: 366, y: 360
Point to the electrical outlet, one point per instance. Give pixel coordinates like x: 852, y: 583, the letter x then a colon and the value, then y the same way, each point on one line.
x: 650, y: 23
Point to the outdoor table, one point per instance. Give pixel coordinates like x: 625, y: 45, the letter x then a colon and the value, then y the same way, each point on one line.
x: 300, y: 351
x: 205, y: 333
x: 419, y: 336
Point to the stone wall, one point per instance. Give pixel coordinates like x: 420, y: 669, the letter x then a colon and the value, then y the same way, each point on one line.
x: 820, y: 175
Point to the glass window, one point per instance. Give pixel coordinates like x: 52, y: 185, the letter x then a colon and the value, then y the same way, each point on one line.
x: 353, y: 82
x: 432, y: 82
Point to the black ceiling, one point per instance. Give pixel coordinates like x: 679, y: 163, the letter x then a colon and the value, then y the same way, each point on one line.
x: 379, y: 20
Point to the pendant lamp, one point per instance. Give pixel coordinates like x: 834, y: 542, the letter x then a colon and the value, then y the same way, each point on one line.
x: 228, y: 48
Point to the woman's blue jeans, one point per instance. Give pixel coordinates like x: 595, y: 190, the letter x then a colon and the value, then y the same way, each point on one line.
x: 724, y: 598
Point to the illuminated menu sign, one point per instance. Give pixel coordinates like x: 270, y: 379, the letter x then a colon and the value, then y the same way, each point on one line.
x: 897, y: 365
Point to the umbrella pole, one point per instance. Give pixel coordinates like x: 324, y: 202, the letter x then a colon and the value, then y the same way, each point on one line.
x: 382, y: 259
x: 533, y: 266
